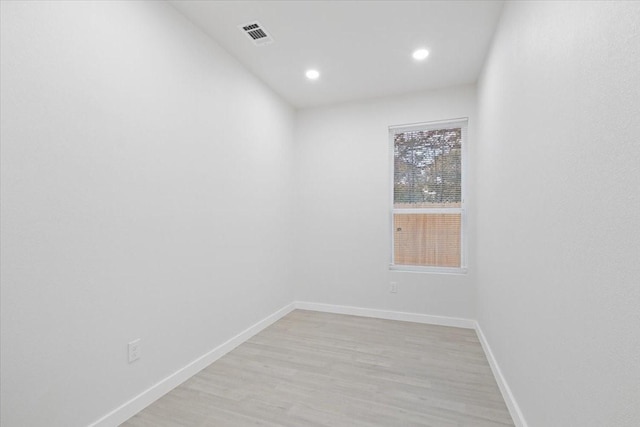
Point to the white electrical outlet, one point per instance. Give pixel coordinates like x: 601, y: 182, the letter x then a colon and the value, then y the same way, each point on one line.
x: 393, y: 288
x: 134, y: 350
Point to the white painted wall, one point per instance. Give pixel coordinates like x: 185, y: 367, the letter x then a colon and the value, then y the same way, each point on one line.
x: 342, y: 235
x: 146, y: 181
x: 558, y: 210
x: 145, y: 191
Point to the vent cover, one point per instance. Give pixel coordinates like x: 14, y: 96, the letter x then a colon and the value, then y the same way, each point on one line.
x: 256, y: 33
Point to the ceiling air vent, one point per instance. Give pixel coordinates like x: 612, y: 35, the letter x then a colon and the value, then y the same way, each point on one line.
x: 256, y: 33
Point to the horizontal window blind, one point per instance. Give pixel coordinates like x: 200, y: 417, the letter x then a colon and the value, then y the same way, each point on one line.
x: 428, y: 194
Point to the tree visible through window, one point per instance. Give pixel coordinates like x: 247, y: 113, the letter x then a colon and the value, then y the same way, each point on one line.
x: 427, y: 195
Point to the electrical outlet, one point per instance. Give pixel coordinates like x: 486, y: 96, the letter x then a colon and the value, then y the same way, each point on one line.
x: 134, y: 350
x: 393, y: 288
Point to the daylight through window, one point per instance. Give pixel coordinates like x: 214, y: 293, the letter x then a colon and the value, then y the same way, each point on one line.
x: 428, y: 196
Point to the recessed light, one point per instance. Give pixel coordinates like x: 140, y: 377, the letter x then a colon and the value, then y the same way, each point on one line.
x: 420, y: 54
x: 312, y: 74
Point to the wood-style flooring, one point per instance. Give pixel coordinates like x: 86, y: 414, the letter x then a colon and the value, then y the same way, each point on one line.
x: 314, y: 369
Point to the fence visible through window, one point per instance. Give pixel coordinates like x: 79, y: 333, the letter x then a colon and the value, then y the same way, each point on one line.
x: 428, y: 214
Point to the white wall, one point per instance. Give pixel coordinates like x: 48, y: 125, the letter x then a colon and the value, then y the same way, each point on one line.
x: 558, y: 210
x: 342, y: 236
x: 145, y: 191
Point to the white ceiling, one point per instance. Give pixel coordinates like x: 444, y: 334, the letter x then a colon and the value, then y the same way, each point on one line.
x: 361, y: 48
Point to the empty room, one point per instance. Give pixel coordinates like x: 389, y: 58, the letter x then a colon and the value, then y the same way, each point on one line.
x: 319, y: 213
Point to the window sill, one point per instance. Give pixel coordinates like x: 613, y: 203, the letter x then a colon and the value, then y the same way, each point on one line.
x: 422, y: 269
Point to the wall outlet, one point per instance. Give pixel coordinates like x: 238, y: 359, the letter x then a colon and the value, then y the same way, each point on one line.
x: 134, y: 350
x: 393, y: 288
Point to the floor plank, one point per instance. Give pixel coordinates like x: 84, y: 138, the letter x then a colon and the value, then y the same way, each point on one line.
x: 314, y: 369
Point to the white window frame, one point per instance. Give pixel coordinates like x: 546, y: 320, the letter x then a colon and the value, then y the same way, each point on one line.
x: 463, y: 123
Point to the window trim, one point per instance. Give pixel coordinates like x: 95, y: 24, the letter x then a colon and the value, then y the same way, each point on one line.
x: 463, y: 122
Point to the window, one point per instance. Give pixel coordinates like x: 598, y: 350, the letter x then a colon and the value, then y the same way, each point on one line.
x: 428, y: 196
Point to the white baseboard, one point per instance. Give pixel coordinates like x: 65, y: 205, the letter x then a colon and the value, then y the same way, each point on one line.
x: 507, y: 395
x: 147, y: 397
x: 389, y: 315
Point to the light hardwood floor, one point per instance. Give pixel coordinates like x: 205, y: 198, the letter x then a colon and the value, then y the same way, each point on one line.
x: 317, y: 369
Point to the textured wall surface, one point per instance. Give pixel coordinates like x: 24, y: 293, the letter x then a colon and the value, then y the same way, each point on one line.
x: 558, y: 210
x: 342, y: 202
x: 145, y: 194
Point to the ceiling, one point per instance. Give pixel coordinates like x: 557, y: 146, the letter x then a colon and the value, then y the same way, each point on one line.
x: 361, y: 48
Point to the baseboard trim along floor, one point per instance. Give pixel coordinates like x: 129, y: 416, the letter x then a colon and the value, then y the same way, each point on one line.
x: 147, y: 397
x: 456, y: 322
x: 507, y: 395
